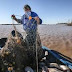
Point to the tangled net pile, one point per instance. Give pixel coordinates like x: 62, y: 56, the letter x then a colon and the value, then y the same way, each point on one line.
x: 16, y: 54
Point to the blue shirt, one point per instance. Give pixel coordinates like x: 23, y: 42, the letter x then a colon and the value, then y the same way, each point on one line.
x: 29, y: 24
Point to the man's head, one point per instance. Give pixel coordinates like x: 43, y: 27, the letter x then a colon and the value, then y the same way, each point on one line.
x: 27, y: 8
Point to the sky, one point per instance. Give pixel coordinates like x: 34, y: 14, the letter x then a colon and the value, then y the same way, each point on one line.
x: 50, y: 11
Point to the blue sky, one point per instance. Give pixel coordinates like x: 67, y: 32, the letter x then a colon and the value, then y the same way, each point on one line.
x: 51, y: 11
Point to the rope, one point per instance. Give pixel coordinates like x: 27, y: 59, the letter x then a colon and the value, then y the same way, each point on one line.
x: 36, y: 52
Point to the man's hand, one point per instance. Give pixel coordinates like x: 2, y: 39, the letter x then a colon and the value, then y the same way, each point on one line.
x: 37, y: 19
x: 13, y: 16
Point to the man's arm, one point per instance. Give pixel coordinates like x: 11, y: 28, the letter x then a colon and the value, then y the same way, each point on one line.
x: 17, y: 20
x: 36, y: 17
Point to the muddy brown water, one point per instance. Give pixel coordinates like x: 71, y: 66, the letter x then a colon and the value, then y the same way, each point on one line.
x: 55, y: 37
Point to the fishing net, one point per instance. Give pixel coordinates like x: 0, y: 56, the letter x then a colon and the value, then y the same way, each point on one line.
x: 19, y: 52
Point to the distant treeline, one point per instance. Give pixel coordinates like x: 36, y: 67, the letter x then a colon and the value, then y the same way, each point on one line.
x: 10, y: 24
x: 19, y: 24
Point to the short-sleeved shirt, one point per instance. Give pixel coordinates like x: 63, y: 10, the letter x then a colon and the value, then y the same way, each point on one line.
x: 29, y: 24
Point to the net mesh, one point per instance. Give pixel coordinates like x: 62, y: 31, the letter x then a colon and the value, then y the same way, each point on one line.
x: 19, y: 53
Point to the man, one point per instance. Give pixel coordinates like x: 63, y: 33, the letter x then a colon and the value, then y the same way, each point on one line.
x: 30, y: 20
